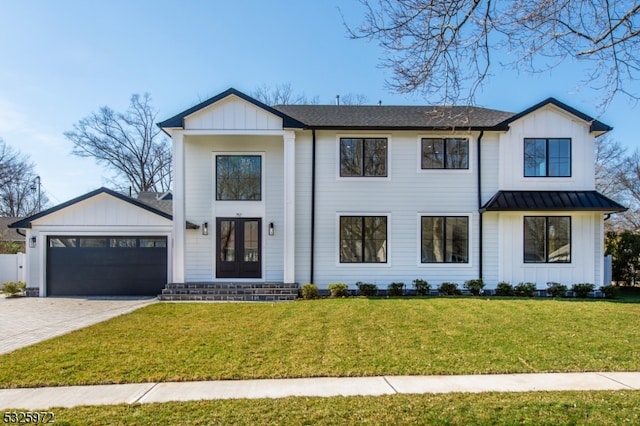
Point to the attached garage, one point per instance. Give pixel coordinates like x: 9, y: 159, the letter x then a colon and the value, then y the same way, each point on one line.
x: 106, y: 265
x: 100, y: 244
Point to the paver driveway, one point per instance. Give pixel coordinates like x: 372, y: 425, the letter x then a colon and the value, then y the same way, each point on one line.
x: 28, y: 320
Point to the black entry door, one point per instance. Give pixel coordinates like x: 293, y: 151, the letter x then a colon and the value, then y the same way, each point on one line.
x: 239, y: 248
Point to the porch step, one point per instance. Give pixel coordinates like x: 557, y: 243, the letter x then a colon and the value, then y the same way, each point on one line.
x: 230, y: 291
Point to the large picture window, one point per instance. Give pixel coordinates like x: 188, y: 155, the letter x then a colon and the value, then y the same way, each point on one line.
x: 445, y: 239
x: 547, y: 157
x: 238, y: 177
x: 363, y: 239
x: 547, y: 239
x: 363, y: 157
x: 445, y: 153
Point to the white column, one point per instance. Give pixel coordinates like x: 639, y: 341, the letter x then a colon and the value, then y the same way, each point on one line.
x: 289, y: 206
x: 179, y: 220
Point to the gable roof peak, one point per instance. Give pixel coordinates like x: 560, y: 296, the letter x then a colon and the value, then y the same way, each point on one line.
x: 177, y: 121
x: 595, y: 126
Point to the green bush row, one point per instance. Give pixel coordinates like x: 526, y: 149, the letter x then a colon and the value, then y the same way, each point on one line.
x: 475, y: 287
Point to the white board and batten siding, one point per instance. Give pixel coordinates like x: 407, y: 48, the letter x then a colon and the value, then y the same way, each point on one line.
x: 232, y: 113
x: 547, y: 122
x: 585, y: 267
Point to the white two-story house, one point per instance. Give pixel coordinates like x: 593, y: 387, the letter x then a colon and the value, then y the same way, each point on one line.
x: 381, y: 194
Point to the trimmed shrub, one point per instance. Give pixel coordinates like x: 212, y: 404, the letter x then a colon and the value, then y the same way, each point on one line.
x: 557, y: 290
x: 504, y: 289
x: 395, y: 289
x: 448, y: 289
x: 610, y: 291
x: 367, y: 289
x: 339, y: 289
x: 309, y: 291
x: 525, y: 289
x: 13, y: 288
x: 474, y: 286
x: 582, y: 290
x: 422, y: 287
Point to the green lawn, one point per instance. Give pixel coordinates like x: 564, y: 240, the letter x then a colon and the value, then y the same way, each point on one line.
x: 347, y: 337
x: 535, y: 408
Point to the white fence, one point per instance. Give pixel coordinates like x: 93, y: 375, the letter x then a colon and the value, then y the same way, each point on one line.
x: 12, y: 267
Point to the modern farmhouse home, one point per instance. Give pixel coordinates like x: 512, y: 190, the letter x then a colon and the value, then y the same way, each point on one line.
x: 381, y: 194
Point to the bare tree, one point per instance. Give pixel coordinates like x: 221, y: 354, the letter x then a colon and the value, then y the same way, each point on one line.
x: 609, y: 158
x: 354, y: 99
x: 281, y: 94
x: 446, y: 48
x: 127, y: 142
x: 19, y: 193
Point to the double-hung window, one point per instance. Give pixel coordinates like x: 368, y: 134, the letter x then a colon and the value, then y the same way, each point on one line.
x: 547, y: 157
x: 363, y: 157
x: 363, y: 239
x: 445, y: 153
x: 547, y: 239
x: 444, y: 239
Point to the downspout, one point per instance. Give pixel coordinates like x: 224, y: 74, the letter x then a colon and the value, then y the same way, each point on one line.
x: 313, y: 203
x: 480, y: 242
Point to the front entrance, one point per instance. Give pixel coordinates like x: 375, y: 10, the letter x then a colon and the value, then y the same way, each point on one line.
x: 239, y: 248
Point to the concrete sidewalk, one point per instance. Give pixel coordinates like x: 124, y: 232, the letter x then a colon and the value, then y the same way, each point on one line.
x: 70, y: 396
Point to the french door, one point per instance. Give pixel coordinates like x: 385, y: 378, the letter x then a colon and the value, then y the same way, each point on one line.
x: 238, y: 248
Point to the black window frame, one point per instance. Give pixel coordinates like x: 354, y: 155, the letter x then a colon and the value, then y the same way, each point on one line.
x: 548, y: 158
x: 219, y: 196
x: 444, y: 239
x: 445, y: 150
x: 363, y: 158
x: 547, y: 250
x: 363, y: 239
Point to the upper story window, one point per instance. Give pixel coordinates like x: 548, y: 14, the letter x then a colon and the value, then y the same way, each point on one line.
x: 363, y: 157
x: 238, y: 177
x: 445, y: 153
x: 547, y: 157
x: 547, y: 239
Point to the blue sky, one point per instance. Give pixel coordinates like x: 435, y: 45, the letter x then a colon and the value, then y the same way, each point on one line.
x: 61, y: 60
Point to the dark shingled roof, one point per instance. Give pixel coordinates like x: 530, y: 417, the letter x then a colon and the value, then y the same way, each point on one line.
x: 394, y: 117
x: 383, y: 117
x: 552, y: 200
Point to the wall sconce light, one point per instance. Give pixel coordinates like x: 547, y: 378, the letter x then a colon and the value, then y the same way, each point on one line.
x: 205, y: 228
x: 32, y: 242
x: 272, y: 230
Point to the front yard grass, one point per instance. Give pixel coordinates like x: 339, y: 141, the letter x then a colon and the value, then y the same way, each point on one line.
x: 532, y: 408
x: 336, y: 337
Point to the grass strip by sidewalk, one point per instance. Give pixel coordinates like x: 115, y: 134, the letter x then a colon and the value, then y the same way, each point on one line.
x: 533, y: 408
x: 346, y: 337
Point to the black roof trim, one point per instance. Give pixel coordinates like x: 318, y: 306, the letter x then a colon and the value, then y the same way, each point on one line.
x: 26, y: 222
x: 552, y: 200
x: 595, y: 125
x: 177, y: 121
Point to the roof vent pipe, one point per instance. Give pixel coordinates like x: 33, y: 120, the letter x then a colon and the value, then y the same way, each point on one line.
x: 379, y: 103
x: 337, y: 99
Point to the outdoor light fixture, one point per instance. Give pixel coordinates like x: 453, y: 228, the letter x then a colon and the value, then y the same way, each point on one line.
x: 272, y: 231
x: 32, y: 242
x: 205, y: 228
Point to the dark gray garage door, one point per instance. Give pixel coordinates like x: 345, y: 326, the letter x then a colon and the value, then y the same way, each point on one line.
x: 106, y: 265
